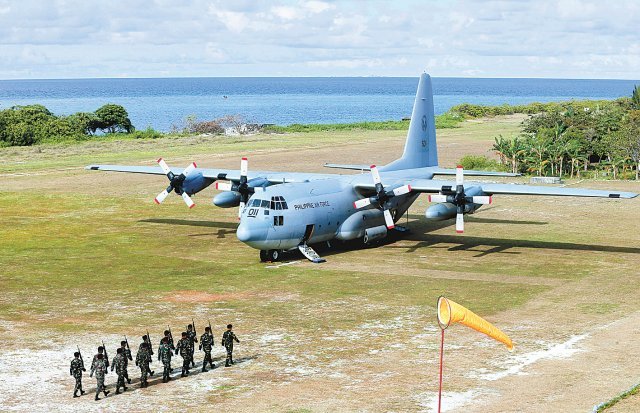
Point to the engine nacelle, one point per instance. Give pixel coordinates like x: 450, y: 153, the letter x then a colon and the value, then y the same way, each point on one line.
x: 445, y: 210
x: 227, y: 199
x: 195, y: 182
x: 375, y: 233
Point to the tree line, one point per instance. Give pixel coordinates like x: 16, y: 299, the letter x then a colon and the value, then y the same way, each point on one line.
x: 32, y: 124
x: 576, y: 139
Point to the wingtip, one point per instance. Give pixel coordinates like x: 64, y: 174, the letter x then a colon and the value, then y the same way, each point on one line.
x: 191, y: 206
x: 459, y: 232
x: 156, y: 201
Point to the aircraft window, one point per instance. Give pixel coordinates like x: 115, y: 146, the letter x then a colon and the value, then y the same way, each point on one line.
x: 278, y: 205
x: 266, y: 212
x: 273, y: 204
x: 275, y: 220
x: 255, y: 203
x: 281, y: 220
x: 264, y: 203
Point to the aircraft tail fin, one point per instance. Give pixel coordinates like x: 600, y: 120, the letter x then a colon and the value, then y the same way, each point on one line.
x: 420, y: 149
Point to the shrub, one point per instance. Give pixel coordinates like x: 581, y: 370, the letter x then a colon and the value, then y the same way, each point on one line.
x: 481, y: 163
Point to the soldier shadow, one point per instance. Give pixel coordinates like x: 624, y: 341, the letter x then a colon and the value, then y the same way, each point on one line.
x: 134, y: 386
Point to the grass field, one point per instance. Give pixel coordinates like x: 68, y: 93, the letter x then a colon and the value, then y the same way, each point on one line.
x: 88, y: 256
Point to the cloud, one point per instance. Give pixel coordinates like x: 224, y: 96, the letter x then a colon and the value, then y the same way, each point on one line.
x: 563, y: 38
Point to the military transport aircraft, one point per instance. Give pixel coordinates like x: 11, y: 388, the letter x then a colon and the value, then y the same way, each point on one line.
x: 281, y: 211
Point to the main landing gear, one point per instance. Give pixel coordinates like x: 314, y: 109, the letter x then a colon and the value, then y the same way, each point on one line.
x: 270, y: 255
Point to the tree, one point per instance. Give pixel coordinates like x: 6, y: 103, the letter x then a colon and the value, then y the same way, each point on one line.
x: 635, y: 98
x: 113, y: 118
x: 630, y: 138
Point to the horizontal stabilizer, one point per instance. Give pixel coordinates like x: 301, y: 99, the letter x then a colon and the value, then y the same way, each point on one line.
x: 468, y: 172
x: 348, y: 166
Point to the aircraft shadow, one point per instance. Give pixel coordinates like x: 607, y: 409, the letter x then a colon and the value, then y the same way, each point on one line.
x: 209, y: 224
x: 218, y: 362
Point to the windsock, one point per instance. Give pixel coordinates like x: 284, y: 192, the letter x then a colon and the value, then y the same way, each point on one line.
x: 452, y: 312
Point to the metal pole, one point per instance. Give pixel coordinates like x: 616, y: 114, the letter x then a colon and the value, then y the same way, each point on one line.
x: 441, y: 353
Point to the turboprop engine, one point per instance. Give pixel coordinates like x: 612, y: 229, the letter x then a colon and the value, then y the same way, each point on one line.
x: 446, y: 210
x: 227, y: 199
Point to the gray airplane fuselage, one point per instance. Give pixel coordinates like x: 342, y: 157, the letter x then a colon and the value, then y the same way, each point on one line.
x: 312, y: 212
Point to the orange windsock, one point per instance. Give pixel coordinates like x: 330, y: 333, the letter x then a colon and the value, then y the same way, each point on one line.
x: 452, y: 312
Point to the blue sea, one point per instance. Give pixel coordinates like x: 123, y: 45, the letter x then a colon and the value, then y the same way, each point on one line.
x: 163, y: 102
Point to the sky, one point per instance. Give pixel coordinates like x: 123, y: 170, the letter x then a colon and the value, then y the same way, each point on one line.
x: 174, y: 38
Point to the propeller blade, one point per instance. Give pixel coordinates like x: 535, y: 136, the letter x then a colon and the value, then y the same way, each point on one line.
x: 188, y: 200
x: 459, y: 223
x: 164, y: 166
x: 158, y: 200
x: 388, y: 219
x: 244, y: 166
x: 376, y: 175
x: 459, y: 175
x: 482, y: 200
x: 437, y: 198
x: 361, y: 203
x: 402, y: 190
x: 240, y: 209
x: 189, y: 169
x: 223, y: 186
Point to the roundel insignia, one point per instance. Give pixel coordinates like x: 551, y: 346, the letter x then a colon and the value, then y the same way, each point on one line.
x: 424, y: 123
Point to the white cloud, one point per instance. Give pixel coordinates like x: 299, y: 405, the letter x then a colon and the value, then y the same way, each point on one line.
x: 564, y: 38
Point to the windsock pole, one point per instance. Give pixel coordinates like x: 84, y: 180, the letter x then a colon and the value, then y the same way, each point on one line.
x: 441, y: 354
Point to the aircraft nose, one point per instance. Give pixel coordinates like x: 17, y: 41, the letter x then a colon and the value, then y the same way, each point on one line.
x: 247, y: 234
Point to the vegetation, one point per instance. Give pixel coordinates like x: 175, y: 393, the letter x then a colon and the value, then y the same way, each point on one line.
x: 481, y: 163
x: 574, y: 141
x: 33, y: 124
x: 604, y: 406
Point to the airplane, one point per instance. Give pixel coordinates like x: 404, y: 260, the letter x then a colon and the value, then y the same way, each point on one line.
x: 284, y: 211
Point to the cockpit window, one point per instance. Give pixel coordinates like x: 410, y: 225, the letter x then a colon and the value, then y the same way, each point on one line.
x: 278, y: 203
x: 264, y: 203
x: 255, y: 203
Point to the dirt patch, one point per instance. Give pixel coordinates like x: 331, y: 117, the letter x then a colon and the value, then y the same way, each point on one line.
x: 189, y: 296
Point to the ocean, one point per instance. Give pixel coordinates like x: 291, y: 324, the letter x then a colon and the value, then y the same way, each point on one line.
x: 164, y: 102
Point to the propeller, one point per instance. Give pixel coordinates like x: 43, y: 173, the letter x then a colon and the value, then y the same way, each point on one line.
x: 382, y: 197
x: 175, y: 183
x: 241, y: 187
x: 459, y: 198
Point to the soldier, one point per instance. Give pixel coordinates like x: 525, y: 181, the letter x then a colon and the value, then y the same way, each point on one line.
x: 104, y: 360
x: 120, y: 365
x: 164, y: 355
x: 143, y: 358
x: 193, y: 338
x: 227, y: 341
x: 76, y: 369
x: 100, y: 368
x: 169, y: 337
x: 145, y: 339
x: 206, y: 343
x: 184, y: 348
x: 126, y: 351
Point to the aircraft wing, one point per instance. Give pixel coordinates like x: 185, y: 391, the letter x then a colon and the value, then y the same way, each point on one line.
x: 216, y: 174
x: 469, y: 172
x: 434, y: 186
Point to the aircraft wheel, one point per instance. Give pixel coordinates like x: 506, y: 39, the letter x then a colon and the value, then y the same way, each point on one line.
x: 264, y: 255
x: 273, y: 255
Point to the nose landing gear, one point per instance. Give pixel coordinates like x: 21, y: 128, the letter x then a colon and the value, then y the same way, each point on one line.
x: 270, y: 255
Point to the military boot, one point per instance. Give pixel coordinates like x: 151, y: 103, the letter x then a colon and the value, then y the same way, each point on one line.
x: 97, y: 398
x: 231, y: 359
x: 226, y: 363
x: 117, y: 390
x: 106, y: 392
x: 82, y: 392
x: 75, y: 394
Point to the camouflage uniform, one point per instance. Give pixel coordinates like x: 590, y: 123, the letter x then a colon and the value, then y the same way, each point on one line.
x: 185, y: 350
x: 120, y: 365
x: 76, y: 369
x: 143, y: 358
x: 227, y: 341
x: 105, y: 360
x: 150, y: 351
x: 206, y: 343
x: 99, y: 367
x: 127, y: 357
x: 169, y: 338
x: 164, y: 355
x: 193, y: 338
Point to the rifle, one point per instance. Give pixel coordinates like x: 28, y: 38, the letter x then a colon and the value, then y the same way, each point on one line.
x: 194, y: 327
x: 170, y: 335
x: 81, y: 359
x: 149, y: 341
x: 128, y: 348
x: 106, y: 357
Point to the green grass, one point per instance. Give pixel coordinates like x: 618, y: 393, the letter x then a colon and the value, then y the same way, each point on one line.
x: 609, y: 404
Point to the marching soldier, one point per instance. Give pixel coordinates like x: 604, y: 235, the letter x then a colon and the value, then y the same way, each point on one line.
x: 100, y: 368
x: 193, y: 338
x: 145, y: 340
x: 104, y: 360
x: 120, y: 365
x: 76, y: 369
x: 126, y: 352
x: 164, y: 354
x: 227, y: 341
x: 169, y: 337
x: 206, y: 344
x: 184, y: 348
x: 143, y: 358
